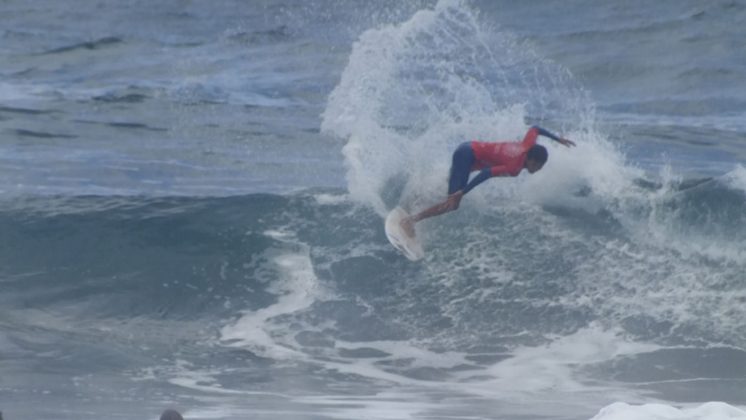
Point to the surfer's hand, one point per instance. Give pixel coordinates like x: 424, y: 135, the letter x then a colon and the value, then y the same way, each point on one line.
x: 566, y: 142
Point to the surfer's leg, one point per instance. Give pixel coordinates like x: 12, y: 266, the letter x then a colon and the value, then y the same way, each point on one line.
x: 461, y: 163
x: 463, y: 160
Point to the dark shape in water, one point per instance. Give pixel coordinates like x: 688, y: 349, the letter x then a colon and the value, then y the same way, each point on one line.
x: 90, y: 45
x: 167, y: 415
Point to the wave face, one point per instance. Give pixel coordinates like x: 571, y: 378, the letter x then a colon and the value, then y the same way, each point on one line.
x: 584, y: 262
x: 203, y: 293
x: 192, y: 214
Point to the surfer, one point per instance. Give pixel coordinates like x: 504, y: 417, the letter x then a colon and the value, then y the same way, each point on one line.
x: 490, y: 159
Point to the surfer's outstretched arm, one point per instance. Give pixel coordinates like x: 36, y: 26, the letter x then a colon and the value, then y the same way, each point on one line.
x: 538, y: 131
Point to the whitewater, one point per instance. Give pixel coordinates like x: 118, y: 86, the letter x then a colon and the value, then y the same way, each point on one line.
x: 192, y: 202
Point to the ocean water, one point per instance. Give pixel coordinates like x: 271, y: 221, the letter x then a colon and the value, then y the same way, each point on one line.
x: 192, y: 197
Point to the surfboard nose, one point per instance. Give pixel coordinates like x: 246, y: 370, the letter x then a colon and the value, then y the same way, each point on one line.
x: 407, y: 245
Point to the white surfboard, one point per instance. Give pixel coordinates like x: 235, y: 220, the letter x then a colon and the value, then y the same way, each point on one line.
x: 409, y: 246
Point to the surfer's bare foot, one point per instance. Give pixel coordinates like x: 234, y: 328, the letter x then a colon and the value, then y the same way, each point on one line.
x: 407, y: 226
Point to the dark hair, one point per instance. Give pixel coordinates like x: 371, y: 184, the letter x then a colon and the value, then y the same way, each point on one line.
x: 538, y: 153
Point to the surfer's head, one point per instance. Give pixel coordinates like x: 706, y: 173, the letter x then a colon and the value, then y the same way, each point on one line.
x: 536, y: 158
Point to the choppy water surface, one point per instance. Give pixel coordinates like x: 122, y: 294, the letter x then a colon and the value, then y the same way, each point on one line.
x: 192, y: 198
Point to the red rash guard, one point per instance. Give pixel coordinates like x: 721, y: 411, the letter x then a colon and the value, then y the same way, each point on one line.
x: 503, y: 159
